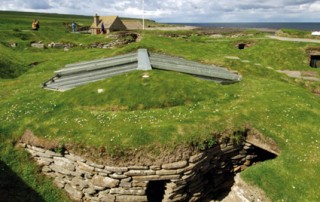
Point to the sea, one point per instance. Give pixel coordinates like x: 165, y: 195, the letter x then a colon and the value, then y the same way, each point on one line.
x: 308, y: 26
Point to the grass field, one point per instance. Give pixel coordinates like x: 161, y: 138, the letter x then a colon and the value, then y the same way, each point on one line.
x: 168, y: 109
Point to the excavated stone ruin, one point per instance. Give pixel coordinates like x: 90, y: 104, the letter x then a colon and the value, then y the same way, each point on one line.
x: 314, y: 57
x: 204, y: 176
x: 315, y: 61
x: 241, y: 46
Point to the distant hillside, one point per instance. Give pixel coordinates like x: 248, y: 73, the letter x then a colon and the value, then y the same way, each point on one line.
x: 22, y: 20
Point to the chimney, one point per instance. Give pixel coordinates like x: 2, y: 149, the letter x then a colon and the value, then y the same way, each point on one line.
x: 96, y: 20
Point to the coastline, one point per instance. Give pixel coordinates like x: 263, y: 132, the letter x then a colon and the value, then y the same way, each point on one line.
x: 211, y: 29
x: 174, y: 28
x: 306, y: 26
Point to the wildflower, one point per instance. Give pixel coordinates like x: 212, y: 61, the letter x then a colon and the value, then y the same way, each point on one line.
x: 100, y: 90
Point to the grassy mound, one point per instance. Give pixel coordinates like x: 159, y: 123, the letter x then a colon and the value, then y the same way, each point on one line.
x: 133, y: 92
x: 10, y: 64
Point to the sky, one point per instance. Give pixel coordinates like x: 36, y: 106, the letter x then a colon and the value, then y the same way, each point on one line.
x: 180, y: 10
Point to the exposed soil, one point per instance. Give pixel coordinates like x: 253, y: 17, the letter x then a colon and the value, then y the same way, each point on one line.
x: 145, y: 156
x: 29, y: 138
x: 149, y: 155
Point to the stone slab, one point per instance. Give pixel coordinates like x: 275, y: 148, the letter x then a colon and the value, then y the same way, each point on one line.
x: 143, y: 60
x: 117, y: 176
x: 140, y: 172
x: 138, y: 167
x: 175, y: 165
x: 95, y: 165
x: 64, y: 163
x: 116, y: 169
x: 107, y: 199
x: 131, y: 198
x: 196, y: 157
x: 52, y: 153
x: 166, y: 172
x: 74, y: 158
x: 104, y: 181
x: 85, y: 167
x: 79, y: 183
x: 61, y: 170
x: 45, y: 155
x: 73, y: 193
x: 122, y: 191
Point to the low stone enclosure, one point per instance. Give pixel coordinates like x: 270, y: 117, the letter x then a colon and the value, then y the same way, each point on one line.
x: 201, y: 176
x: 119, y: 39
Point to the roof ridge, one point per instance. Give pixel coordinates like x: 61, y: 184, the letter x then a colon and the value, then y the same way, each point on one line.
x: 91, y: 71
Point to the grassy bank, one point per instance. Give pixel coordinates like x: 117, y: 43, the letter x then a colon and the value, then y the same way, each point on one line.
x: 167, y: 109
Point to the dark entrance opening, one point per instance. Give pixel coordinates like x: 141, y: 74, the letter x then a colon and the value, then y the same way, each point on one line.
x: 315, y: 61
x: 262, y: 155
x: 155, y: 190
x: 241, y: 46
x: 220, y: 183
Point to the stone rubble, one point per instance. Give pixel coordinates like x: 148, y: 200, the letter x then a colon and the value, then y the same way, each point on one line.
x: 39, y: 45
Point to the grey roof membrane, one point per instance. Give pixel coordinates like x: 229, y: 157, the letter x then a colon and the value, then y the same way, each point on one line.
x: 82, y: 73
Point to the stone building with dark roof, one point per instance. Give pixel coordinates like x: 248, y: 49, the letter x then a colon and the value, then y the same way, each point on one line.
x: 110, y: 24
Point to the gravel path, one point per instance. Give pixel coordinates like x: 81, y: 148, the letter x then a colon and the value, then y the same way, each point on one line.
x: 295, y: 39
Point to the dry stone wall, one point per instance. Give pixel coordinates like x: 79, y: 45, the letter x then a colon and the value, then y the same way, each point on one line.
x: 197, y: 178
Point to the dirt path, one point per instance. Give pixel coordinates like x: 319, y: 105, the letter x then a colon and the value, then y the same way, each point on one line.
x: 294, y: 39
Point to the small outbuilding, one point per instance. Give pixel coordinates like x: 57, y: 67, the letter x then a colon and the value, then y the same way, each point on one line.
x: 106, y: 24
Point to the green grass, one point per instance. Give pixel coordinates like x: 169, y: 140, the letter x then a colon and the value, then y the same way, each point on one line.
x: 296, y: 33
x: 20, y: 178
x: 167, y: 109
x: 10, y: 66
x: 128, y: 92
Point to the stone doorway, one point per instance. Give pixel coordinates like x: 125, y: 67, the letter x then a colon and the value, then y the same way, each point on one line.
x: 315, y: 61
x: 218, y: 183
x: 156, y: 190
x: 241, y: 46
